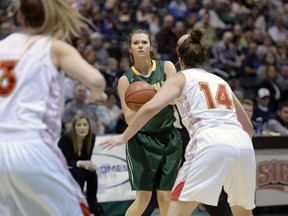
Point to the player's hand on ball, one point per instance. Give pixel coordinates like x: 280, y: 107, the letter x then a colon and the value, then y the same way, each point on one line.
x: 112, y: 142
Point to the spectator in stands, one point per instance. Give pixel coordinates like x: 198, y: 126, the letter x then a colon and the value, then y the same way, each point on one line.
x: 144, y: 14
x: 96, y: 43
x: 102, y: 25
x: 250, y: 65
x: 154, y: 25
x: 109, y: 113
x: 234, y: 83
x: 192, y: 8
x: 239, y: 39
x: 248, y: 106
x: 191, y: 20
x: 259, y: 19
x: 180, y: 28
x: 111, y: 72
x: 270, y: 83
x: 177, y: 8
x: 278, y: 31
x: 248, y: 23
x: 279, y: 123
x: 251, y: 62
x: 79, y: 105
x: 281, y: 52
x: 222, y: 8
x: 269, y: 58
x: 125, y: 15
x: 210, y: 31
x: 90, y: 56
x: 261, y: 112
x: 225, y: 54
x: 167, y: 39
x: 282, y: 80
x: 85, y: 8
x: 267, y: 46
x: 110, y: 18
x: 257, y: 36
x: 285, y: 14
x: 69, y: 84
x: 215, y: 21
x: 77, y: 147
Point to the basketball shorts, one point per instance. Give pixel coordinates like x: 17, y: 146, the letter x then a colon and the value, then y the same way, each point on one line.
x: 35, y: 179
x: 153, y: 160
x: 217, y: 157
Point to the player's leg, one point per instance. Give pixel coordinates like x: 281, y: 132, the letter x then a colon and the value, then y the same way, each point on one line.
x: 140, y: 203
x: 240, y: 211
x: 240, y: 184
x: 222, y: 208
x: 180, y: 208
x: 33, y: 185
x: 163, y: 198
x: 169, y: 167
x: 153, y: 204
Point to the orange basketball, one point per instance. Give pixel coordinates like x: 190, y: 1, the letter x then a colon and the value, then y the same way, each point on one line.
x: 137, y: 94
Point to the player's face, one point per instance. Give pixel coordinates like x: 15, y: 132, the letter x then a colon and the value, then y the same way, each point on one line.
x: 140, y: 45
x: 82, y: 127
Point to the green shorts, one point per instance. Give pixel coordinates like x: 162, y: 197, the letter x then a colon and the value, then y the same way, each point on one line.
x: 153, y: 160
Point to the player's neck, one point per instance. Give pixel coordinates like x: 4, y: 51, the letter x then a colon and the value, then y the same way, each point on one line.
x: 144, y: 67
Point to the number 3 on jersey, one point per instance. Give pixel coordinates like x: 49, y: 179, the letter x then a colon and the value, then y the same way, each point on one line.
x: 7, y: 77
x: 222, y: 97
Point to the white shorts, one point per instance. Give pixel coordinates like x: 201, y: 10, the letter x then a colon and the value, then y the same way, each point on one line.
x: 218, y: 157
x: 35, y: 180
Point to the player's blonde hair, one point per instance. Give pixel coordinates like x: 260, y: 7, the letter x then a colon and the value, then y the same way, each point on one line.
x: 52, y: 17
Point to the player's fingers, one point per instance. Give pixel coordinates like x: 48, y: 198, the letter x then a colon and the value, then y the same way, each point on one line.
x: 107, y: 144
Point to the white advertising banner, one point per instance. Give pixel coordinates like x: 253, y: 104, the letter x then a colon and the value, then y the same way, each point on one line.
x: 113, y: 183
x: 272, y: 177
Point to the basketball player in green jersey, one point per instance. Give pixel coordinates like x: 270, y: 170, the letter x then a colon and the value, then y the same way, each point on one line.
x: 154, y: 153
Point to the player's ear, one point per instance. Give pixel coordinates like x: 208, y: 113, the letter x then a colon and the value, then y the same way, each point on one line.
x: 182, y: 65
x: 20, y: 17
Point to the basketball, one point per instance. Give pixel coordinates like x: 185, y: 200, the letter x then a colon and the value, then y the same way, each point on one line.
x: 137, y: 94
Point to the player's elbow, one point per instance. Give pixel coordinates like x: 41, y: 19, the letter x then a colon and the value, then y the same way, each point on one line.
x: 101, y: 82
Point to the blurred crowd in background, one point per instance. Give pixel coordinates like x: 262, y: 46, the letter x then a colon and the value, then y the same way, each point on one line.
x: 247, y: 40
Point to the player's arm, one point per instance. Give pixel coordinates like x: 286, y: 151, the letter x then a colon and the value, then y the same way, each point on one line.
x: 123, y: 84
x: 170, y: 71
x: 171, y: 89
x: 242, y: 116
x: 65, y: 57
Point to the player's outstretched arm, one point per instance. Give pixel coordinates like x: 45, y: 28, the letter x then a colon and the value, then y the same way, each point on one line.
x: 66, y: 57
x: 171, y: 89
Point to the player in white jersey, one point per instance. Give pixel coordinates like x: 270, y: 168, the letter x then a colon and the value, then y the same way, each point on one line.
x: 220, y: 151
x: 33, y: 172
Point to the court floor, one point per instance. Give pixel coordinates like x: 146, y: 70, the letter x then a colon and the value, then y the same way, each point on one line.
x: 260, y: 211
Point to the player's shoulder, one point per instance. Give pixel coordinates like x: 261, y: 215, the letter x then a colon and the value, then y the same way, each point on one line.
x: 59, y: 44
x: 123, y: 80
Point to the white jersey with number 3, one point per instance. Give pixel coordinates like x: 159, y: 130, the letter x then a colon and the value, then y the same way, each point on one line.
x: 34, y: 175
x: 208, y: 101
x: 30, y: 87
